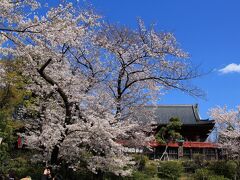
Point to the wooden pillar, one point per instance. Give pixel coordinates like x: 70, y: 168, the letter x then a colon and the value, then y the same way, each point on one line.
x: 154, y: 153
x: 204, y: 153
x: 191, y: 154
x: 178, y: 153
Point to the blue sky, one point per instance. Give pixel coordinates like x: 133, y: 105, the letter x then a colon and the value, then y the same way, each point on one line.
x: 208, y: 30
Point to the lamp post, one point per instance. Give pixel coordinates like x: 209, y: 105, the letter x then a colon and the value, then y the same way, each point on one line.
x: 180, y: 147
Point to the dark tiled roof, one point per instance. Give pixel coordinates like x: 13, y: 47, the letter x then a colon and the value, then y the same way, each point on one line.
x: 188, y: 114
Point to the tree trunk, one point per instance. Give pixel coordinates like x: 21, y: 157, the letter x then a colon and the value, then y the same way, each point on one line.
x: 54, y: 155
x: 165, y: 153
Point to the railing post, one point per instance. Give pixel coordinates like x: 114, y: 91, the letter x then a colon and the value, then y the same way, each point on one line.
x: 216, y: 154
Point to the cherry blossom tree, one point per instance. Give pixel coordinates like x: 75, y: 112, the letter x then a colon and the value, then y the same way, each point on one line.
x: 228, y: 127
x: 143, y: 64
x: 84, y: 77
x: 67, y: 120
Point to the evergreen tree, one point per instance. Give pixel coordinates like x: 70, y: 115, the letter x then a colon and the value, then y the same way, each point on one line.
x: 169, y: 133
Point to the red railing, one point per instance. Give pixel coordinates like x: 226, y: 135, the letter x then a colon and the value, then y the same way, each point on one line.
x: 187, y: 144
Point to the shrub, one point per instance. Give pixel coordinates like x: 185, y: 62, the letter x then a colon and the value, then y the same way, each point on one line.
x: 190, y: 166
x: 216, y: 177
x: 199, y: 160
x: 141, y: 161
x: 151, y: 169
x: 144, y: 168
x: 170, y: 169
x: 206, y: 174
x: 227, y: 169
x: 22, y: 168
x: 203, y: 174
x: 137, y: 175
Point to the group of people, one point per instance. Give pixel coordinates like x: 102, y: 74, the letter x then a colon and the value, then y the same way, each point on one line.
x: 47, y: 175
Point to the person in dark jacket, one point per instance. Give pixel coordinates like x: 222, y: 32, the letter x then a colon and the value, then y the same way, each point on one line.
x: 47, y: 174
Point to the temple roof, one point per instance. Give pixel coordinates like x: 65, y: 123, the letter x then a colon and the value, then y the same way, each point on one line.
x: 188, y: 114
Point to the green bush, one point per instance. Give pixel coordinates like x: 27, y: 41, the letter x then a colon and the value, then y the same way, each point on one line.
x: 141, y: 161
x: 22, y: 168
x: 216, y: 177
x: 170, y: 170
x: 190, y: 166
x: 227, y: 169
x: 206, y: 174
x: 151, y: 169
x: 203, y: 174
x: 137, y: 175
x: 144, y: 168
x: 199, y: 160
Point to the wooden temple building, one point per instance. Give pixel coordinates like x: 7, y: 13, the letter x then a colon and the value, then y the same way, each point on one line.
x: 194, y: 131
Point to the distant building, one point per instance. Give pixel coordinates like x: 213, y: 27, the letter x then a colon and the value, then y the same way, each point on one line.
x: 194, y: 131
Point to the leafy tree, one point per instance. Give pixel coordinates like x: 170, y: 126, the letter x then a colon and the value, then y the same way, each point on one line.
x: 12, y: 93
x: 227, y: 169
x: 169, y: 133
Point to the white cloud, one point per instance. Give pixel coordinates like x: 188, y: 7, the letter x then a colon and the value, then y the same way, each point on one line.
x: 230, y: 68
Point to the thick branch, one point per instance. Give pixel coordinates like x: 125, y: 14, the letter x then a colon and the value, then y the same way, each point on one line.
x: 59, y: 90
x: 18, y: 30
